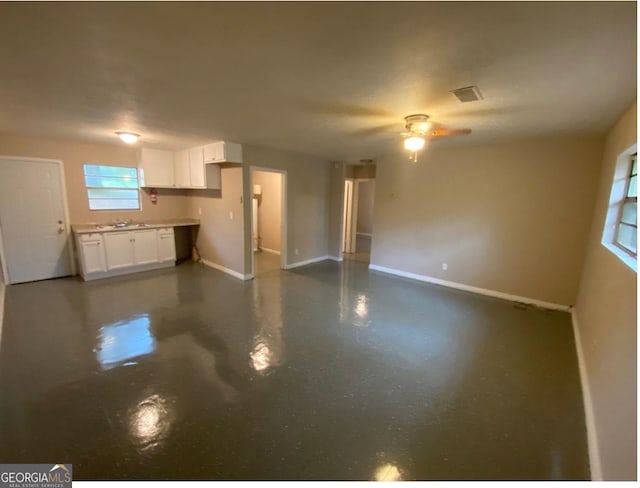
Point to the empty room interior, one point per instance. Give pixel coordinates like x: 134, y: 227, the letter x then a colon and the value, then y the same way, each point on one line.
x: 360, y: 241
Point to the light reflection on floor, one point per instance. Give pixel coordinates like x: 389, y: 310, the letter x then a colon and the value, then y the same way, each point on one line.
x: 124, y: 340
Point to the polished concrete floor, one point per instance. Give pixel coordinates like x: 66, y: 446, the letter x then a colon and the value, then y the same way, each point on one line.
x: 326, y: 372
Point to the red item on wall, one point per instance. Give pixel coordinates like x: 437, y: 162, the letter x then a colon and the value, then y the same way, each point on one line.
x: 154, y: 196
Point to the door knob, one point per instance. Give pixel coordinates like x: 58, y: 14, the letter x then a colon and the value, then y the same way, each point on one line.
x: 60, y: 230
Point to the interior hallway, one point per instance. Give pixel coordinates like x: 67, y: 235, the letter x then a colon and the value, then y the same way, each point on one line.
x: 325, y: 372
x: 265, y: 262
x: 363, y: 250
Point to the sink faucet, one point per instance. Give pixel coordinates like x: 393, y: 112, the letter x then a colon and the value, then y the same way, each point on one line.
x: 122, y: 223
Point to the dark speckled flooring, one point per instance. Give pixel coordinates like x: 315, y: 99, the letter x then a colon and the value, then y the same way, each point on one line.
x: 327, y: 372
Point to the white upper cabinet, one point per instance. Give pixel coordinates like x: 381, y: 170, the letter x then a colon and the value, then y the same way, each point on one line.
x: 157, y: 168
x: 182, y: 169
x: 223, y: 152
x: 191, y: 168
x: 196, y: 164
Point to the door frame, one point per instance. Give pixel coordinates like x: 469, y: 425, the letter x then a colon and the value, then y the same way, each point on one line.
x: 349, y: 216
x: 283, y: 214
x: 65, y: 204
x: 353, y: 201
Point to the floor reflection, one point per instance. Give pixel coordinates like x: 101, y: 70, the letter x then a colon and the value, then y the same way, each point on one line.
x: 150, y: 421
x: 387, y: 472
x: 268, y: 346
x: 354, y: 304
x: 124, y: 340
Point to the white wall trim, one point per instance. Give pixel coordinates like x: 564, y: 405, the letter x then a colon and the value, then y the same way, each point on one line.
x: 472, y: 289
x: 270, y: 251
x: 308, y: 261
x: 4, y: 273
x: 231, y: 272
x: 589, y: 417
x: 2, y: 287
x: 364, y: 234
x: 336, y: 258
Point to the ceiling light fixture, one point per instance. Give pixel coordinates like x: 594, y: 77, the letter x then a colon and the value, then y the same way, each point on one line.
x: 128, y: 137
x: 417, y: 127
x: 414, y: 143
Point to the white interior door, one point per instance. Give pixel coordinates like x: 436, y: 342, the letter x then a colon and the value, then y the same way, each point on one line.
x: 32, y: 217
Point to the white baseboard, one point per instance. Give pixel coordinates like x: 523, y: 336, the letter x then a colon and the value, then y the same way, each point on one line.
x: 472, y: 289
x: 308, y: 261
x: 589, y: 417
x: 229, y: 271
x: 270, y: 251
x: 335, y: 258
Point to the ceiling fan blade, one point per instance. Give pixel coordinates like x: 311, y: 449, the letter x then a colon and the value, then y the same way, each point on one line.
x: 442, y: 132
x: 369, y: 131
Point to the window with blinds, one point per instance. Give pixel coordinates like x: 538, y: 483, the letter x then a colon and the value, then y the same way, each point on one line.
x: 111, y: 187
x: 627, y: 225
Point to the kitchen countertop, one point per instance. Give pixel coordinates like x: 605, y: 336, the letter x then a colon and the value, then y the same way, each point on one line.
x: 147, y: 224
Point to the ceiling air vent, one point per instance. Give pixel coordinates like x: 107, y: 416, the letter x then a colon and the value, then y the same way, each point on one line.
x: 467, y: 94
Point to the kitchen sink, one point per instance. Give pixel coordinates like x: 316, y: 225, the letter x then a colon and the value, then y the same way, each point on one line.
x: 120, y: 225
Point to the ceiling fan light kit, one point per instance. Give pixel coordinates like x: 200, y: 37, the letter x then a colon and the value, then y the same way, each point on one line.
x: 419, y: 129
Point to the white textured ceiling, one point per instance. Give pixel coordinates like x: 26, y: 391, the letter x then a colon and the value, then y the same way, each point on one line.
x: 330, y: 79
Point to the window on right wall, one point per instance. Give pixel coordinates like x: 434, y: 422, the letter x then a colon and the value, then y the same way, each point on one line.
x: 620, y: 234
x: 627, y: 233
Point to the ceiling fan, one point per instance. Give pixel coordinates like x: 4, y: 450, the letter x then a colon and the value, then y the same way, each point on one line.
x: 419, y: 130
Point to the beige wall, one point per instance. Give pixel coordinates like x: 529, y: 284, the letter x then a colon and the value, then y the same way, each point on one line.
x: 366, y: 193
x: 269, y: 209
x: 171, y: 203
x: 307, y: 211
x: 512, y: 218
x: 220, y: 237
x: 606, y: 313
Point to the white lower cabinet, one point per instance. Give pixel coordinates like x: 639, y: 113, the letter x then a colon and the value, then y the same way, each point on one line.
x: 166, y: 245
x: 92, y: 258
x: 120, y: 252
x: 145, y: 246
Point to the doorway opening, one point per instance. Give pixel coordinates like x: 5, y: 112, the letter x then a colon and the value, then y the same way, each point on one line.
x: 357, y: 222
x: 268, y: 221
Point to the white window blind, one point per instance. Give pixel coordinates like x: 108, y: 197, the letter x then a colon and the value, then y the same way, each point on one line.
x: 112, y: 187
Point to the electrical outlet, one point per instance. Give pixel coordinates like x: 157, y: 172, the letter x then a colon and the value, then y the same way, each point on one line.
x: 199, y: 211
x: 230, y: 214
x: 444, y: 266
x: 296, y: 251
